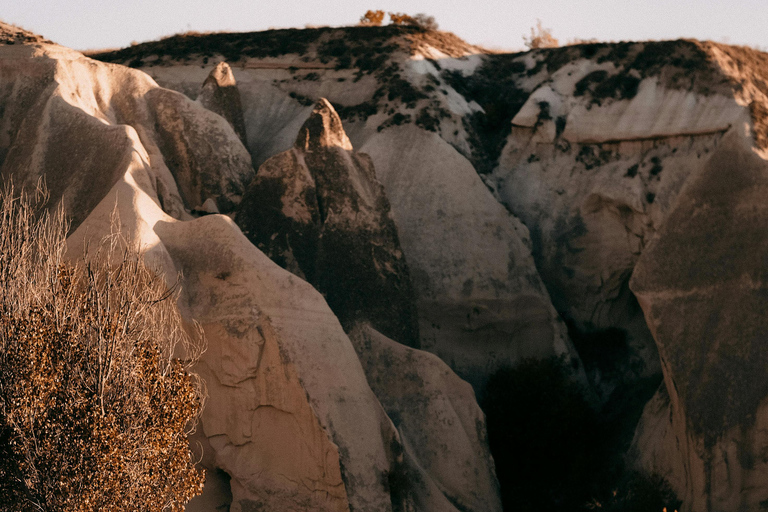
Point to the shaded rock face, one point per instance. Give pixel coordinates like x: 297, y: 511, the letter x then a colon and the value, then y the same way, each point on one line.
x: 220, y: 94
x: 319, y: 211
x: 441, y: 427
x: 702, y: 285
x: 190, y: 150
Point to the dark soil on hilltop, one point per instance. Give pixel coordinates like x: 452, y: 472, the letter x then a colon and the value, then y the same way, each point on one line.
x: 11, y: 34
x: 359, y: 47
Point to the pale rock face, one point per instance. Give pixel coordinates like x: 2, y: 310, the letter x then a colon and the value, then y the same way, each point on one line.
x: 319, y: 211
x: 704, y: 299
x: 440, y: 424
x: 480, y: 300
x: 592, y: 181
x: 74, y: 98
x: 220, y: 94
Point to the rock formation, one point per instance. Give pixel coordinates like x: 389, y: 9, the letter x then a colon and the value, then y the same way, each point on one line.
x: 605, y: 155
x: 704, y: 295
x: 615, y: 187
x: 319, y: 211
x: 290, y: 420
x: 462, y: 468
x: 480, y: 302
x: 219, y: 94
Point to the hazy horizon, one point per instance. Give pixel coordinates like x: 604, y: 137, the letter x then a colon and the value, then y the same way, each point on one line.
x: 89, y: 24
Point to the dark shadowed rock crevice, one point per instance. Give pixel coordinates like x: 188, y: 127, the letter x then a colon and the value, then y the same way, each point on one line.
x: 319, y: 211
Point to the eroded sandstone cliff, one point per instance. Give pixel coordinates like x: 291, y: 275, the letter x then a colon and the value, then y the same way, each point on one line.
x: 597, y: 202
x: 290, y: 421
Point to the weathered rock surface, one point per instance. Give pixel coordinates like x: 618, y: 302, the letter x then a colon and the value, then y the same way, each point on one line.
x: 702, y: 286
x: 279, y: 370
x: 595, y: 161
x: 291, y: 422
x: 596, y: 157
x: 480, y: 301
x: 319, y: 211
x: 113, y: 107
x: 220, y: 94
x: 440, y: 424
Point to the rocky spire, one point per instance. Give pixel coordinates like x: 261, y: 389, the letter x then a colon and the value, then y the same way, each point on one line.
x: 219, y: 94
x: 322, y: 129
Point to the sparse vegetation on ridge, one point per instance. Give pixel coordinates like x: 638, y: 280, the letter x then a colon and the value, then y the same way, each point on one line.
x: 94, y: 406
x: 540, y: 38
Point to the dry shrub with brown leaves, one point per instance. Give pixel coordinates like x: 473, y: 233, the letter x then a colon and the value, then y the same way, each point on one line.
x: 372, y: 19
x: 94, y: 407
x: 540, y: 38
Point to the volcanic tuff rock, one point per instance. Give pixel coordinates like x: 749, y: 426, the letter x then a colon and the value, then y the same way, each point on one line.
x: 702, y: 285
x: 319, y: 211
x: 480, y: 301
x: 608, y: 154
x: 290, y: 421
x: 190, y: 149
x: 219, y: 94
x: 431, y: 407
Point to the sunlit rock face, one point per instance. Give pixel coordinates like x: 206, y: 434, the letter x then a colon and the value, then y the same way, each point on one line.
x: 319, y: 211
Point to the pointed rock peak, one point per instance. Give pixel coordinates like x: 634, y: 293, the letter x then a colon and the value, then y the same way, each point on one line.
x: 220, y: 76
x: 220, y: 94
x: 323, y: 129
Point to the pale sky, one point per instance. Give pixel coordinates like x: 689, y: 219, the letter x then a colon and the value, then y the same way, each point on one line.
x: 501, y: 24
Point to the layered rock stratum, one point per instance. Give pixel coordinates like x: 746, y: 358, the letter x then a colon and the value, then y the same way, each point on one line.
x: 333, y: 195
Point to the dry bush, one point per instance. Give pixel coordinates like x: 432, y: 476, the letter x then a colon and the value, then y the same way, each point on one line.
x: 540, y: 38
x: 420, y: 20
x: 94, y: 407
x: 372, y: 19
x: 426, y: 21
